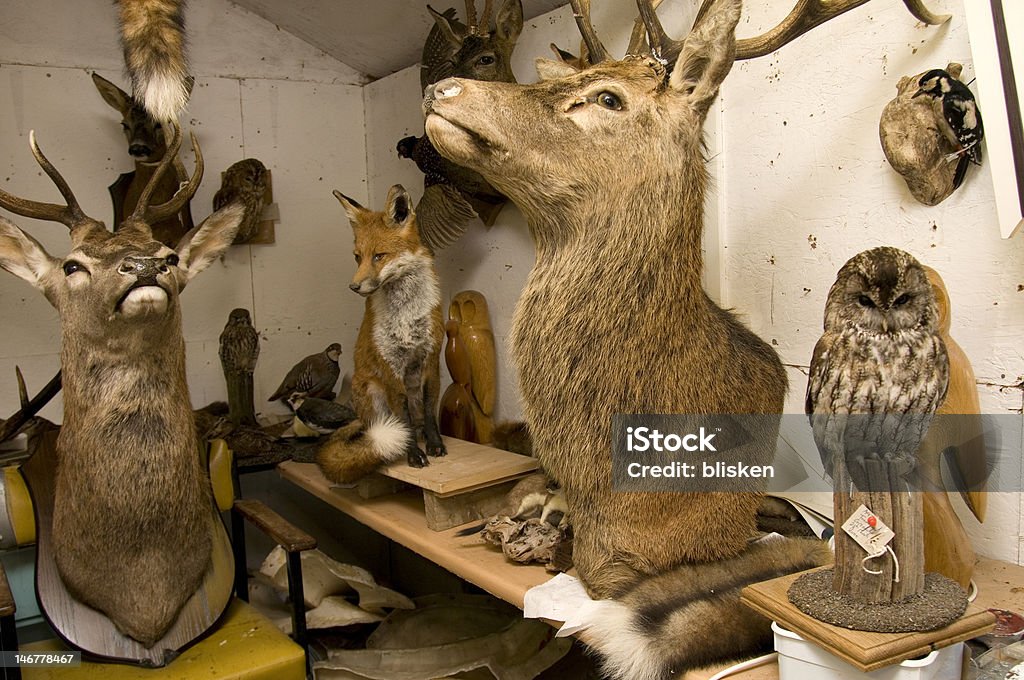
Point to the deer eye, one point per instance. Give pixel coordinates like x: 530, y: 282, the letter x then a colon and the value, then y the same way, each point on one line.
x: 901, y: 300
x: 485, y: 60
x: 609, y: 101
x: 359, y: 258
x: 377, y: 257
x: 172, y: 259
x: 70, y: 267
x: 865, y: 301
x: 124, y: 126
x: 157, y: 126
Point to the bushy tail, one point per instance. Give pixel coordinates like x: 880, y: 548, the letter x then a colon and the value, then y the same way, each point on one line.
x: 692, y: 616
x: 153, y: 38
x: 354, y: 452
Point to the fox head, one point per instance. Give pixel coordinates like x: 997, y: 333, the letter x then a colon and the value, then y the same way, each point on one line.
x: 387, y: 243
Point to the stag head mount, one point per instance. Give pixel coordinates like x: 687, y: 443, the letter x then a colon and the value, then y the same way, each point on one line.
x: 111, y: 278
x: 472, y: 50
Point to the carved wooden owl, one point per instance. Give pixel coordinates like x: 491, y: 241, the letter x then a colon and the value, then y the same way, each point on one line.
x: 880, y: 369
x: 244, y: 182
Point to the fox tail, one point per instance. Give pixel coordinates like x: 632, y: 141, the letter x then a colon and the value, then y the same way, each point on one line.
x: 153, y: 39
x: 355, y: 451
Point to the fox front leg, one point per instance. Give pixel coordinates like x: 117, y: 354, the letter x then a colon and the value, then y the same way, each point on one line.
x: 414, y: 410
x: 431, y: 433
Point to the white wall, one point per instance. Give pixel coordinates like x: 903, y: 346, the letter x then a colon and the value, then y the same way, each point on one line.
x: 807, y: 187
x: 259, y: 93
x: 801, y: 185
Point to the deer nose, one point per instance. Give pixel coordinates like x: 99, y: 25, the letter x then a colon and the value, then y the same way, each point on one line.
x: 354, y: 287
x: 447, y: 88
x: 140, y: 150
x: 143, y: 267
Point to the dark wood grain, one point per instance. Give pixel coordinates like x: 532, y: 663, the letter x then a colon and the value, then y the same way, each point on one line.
x: 284, y: 533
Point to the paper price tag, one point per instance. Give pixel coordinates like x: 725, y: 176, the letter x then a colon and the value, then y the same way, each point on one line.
x: 868, y: 530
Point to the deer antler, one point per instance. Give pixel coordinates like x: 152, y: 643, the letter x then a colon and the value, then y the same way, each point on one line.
x: 148, y: 214
x: 70, y: 215
x: 485, y: 18
x: 638, y: 38
x: 581, y: 12
x: 471, y: 24
x: 10, y: 427
x: 806, y: 15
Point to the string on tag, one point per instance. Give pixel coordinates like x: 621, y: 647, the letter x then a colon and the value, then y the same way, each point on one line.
x: 880, y: 553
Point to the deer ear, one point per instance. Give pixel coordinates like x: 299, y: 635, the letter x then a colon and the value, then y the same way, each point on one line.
x: 209, y: 240
x: 443, y: 25
x: 549, y: 69
x: 23, y: 256
x: 352, y: 208
x: 112, y: 94
x: 707, y: 55
x: 509, y: 23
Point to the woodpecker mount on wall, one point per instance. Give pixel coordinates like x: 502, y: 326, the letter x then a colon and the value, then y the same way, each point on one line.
x: 931, y: 133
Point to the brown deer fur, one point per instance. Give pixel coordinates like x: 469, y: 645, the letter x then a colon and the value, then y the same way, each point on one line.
x: 613, y: 318
x: 132, y: 516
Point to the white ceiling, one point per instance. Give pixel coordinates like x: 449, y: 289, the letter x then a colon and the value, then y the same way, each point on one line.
x: 375, y: 37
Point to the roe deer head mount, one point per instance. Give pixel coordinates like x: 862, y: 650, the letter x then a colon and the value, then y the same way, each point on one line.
x: 147, y: 145
x: 130, y: 490
x: 472, y: 50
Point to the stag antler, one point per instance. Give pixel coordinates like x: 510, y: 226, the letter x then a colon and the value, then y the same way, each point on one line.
x: 147, y: 214
x: 29, y: 407
x: 806, y: 15
x: 581, y: 12
x: 70, y: 214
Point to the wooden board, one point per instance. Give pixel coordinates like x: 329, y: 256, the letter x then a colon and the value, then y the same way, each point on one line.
x: 400, y: 518
x: 90, y: 630
x: 867, y: 651
x: 467, y: 467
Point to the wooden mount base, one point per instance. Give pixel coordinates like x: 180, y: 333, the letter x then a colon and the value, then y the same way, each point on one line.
x: 864, y: 650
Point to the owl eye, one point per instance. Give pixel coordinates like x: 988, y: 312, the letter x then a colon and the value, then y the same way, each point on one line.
x: 865, y: 301
x: 901, y: 300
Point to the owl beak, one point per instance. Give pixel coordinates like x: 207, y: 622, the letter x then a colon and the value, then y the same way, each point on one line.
x: 885, y: 325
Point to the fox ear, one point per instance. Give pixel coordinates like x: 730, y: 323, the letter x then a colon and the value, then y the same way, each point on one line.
x: 399, y: 206
x: 351, y: 206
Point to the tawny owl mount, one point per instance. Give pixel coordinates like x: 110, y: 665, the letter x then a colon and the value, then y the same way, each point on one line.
x: 453, y: 194
x: 931, y: 133
x: 878, y: 374
x: 246, y: 183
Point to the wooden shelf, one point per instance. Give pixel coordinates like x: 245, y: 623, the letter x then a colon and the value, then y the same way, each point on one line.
x: 400, y: 517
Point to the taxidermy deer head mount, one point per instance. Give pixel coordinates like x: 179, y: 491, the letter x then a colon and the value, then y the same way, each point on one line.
x: 606, y: 164
x: 472, y: 50
x: 131, y: 494
x: 147, y: 145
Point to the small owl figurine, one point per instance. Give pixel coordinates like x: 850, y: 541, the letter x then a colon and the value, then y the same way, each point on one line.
x: 880, y: 358
x: 244, y: 182
x: 239, y: 349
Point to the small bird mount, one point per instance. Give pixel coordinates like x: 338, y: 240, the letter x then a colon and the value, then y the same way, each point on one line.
x: 250, y: 183
x: 919, y: 142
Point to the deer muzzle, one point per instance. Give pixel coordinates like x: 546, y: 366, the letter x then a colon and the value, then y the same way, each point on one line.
x: 144, y: 294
